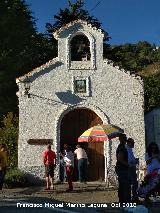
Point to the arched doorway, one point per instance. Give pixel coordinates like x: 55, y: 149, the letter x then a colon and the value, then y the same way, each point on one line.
x: 73, y: 124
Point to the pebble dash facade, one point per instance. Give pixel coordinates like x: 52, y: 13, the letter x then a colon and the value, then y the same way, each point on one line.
x: 63, y: 88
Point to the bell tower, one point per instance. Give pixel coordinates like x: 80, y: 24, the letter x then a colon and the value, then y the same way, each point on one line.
x: 80, y: 46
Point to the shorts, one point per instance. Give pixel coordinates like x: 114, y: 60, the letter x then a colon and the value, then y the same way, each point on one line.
x: 49, y: 170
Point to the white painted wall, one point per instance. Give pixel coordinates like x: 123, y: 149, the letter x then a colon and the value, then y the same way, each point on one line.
x: 115, y: 95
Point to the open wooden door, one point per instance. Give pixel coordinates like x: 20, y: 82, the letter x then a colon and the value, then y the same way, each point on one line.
x: 73, y: 125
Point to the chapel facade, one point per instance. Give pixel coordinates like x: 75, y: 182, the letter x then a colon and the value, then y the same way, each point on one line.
x: 73, y: 92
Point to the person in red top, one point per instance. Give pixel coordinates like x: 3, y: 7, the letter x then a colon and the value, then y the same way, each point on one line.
x: 49, y: 159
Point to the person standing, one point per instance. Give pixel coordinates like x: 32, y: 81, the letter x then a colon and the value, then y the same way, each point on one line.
x: 49, y: 159
x: 69, y: 166
x: 3, y: 163
x: 152, y: 157
x: 82, y: 163
x: 132, y: 161
x: 62, y: 166
x: 124, y: 189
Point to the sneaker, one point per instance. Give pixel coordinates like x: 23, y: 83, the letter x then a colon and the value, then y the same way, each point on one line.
x: 52, y: 187
x: 46, y: 189
x: 69, y: 190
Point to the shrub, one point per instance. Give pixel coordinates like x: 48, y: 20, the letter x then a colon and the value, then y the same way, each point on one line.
x: 15, y: 178
x: 9, y: 136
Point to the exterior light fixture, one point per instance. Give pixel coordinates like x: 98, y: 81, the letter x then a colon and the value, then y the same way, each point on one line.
x: 27, y: 87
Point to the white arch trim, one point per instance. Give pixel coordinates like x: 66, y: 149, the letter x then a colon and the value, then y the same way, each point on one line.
x: 68, y: 109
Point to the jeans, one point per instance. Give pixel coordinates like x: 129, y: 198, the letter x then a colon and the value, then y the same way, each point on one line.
x: 124, y: 188
x: 82, y: 169
x: 133, y: 181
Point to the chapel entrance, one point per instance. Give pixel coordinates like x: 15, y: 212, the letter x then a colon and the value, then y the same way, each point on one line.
x: 73, y: 125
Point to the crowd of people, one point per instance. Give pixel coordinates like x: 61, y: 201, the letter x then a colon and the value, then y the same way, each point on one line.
x: 126, y: 167
x: 67, y: 161
x: 151, y: 183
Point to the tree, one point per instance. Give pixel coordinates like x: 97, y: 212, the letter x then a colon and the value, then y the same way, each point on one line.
x: 17, y: 28
x: 21, y: 49
x: 152, y: 91
x: 133, y: 57
x: 73, y: 12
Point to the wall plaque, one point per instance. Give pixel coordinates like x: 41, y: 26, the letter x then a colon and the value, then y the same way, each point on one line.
x: 40, y: 141
x: 81, y: 86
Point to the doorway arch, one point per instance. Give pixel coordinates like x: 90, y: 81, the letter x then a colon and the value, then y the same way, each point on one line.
x: 73, y: 124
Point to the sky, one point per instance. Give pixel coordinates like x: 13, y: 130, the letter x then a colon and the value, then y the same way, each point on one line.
x: 126, y: 21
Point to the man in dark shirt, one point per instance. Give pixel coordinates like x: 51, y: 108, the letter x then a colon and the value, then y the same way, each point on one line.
x: 124, y: 189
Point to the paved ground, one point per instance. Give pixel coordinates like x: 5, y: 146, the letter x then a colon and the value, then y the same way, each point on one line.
x: 88, y: 198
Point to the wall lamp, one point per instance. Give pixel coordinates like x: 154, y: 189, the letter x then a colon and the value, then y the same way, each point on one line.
x: 27, y: 85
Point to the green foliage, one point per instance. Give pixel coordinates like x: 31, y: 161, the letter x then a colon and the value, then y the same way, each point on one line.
x: 21, y: 49
x: 9, y: 136
x: 133, y: 57
x: 15, y: 178
x: 152, y: 92
x: 73, y: 12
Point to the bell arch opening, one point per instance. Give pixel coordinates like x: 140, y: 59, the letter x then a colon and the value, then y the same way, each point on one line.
x: 80, y: 48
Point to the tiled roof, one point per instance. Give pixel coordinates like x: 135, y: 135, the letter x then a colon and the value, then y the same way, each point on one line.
x: 38, y: 69
x: 57, y: 32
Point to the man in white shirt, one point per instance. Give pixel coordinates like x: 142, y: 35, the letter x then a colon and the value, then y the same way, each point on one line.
x: 82, y: 163
x: 132, y: 161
